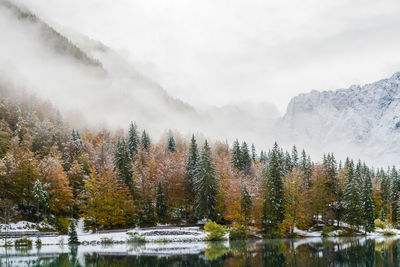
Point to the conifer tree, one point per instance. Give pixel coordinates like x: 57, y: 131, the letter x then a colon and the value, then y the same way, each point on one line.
x: 72, y: 235
x: 145, y: 141
x: 245, y: 203
x: 369, y: 206
x: 123, y: 164
x: 245, y: 159
x: 253, y: 153
x: 161, y: 207
x: 206, y: 185
x: 352, y: 197
x: 190, y: 173
x: 133, y: 139
x: 171, y: 144
x: 395, y: 191
x: 273, y: 205
x: 305, y: 166
x: 263, y: 157
x: 295, y: 157
x: 236, y: 155
x: 41, y: 197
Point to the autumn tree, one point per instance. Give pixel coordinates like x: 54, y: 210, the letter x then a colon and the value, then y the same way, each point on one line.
x: 107, y: 201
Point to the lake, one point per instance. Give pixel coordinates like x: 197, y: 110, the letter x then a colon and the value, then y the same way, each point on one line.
x: 362, y: 251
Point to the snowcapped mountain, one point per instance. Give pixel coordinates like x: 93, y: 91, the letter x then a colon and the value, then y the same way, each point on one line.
x: 361, y: 121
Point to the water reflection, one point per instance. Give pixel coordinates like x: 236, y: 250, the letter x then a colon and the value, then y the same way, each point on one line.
x: 300, y: 252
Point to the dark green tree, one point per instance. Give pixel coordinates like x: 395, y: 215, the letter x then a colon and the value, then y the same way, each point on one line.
x: 145, y: 141
x: 295, y: 157
x: 253, y: 152
x: 190, y: 173
x: 123, y: 164
x: 133, y: 139
x: 368, y: 202
x: 206, y: 185
x: 171, y: 144
x: 72, y: 235
x: 236, y: 155
x: 161, y: 207
x: 245, y: 159
x: 352, y: 197
x: 273, y: 204
x: 245, y: 203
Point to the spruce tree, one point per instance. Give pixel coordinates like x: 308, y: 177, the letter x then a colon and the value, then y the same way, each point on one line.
x: 273, y: 205
x: 190, y: 173
x: 253, y: 153
x: 236, y: 155
x: 395, y: 191
x: 368, y: 202
x: 123, y: 164
x: 133, y: 139
x: 295, y: 157
x: 352, y: 197
x: 245, y: 159
x: 245, y: 203
x: 305, y: 166
x: 206, y: 185
x: 161, y: 207
x: 171, y: 144
x: 145, y: 141
x: 72, y: 235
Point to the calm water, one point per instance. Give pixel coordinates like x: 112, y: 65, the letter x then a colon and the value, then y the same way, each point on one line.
x: 300, y: 252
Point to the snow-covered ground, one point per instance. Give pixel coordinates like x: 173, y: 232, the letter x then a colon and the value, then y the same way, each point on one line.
x: 168, y: 234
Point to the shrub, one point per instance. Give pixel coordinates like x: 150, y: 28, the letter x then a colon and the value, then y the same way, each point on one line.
x: 215, y: 231
x: 327, y: 229
x: 38, y: 242
x: 106, y: 240
x: 238, y: 232
x: 135, y: 237
x: 380, y: 224
x: 62, y: 225
x: 23, y: 242
x: 388, y: 233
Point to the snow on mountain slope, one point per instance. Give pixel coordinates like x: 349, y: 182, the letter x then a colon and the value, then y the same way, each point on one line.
x: 361, y: 121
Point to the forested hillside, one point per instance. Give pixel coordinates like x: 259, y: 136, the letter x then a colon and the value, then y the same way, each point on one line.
x: 51, y: 172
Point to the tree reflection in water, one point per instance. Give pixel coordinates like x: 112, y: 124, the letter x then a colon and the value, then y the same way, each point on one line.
x: 300, y: 252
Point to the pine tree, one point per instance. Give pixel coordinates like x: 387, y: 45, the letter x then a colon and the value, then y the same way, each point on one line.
x: 273, y: 205
x: 305, y: 166
x: 161, y: 207
x: 190, y: 173
x: 352, y: 197
x: 145, y: 141
x: 295, y: 157
x: 395, y: 191
x: 245, y: 203
x: 369, y: 206
x: 171, y: 144
x: 123, y: 164
x: 206, y: 185
x: 245, y: 159
x: 253, y: 153
x: 72, y: 235
x: 236, y: 155
x: 133, y: 139
x: 41, y: 197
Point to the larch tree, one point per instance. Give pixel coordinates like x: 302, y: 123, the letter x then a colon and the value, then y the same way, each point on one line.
x: 107, y: 201
x: 161, y: 207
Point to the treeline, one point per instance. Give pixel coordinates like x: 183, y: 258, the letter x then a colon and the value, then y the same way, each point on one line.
x: 50, y: 172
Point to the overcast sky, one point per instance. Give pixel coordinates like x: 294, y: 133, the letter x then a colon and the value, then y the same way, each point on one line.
x: 221, y: 52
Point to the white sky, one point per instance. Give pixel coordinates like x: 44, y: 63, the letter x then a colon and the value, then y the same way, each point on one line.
x: 221, y: 52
